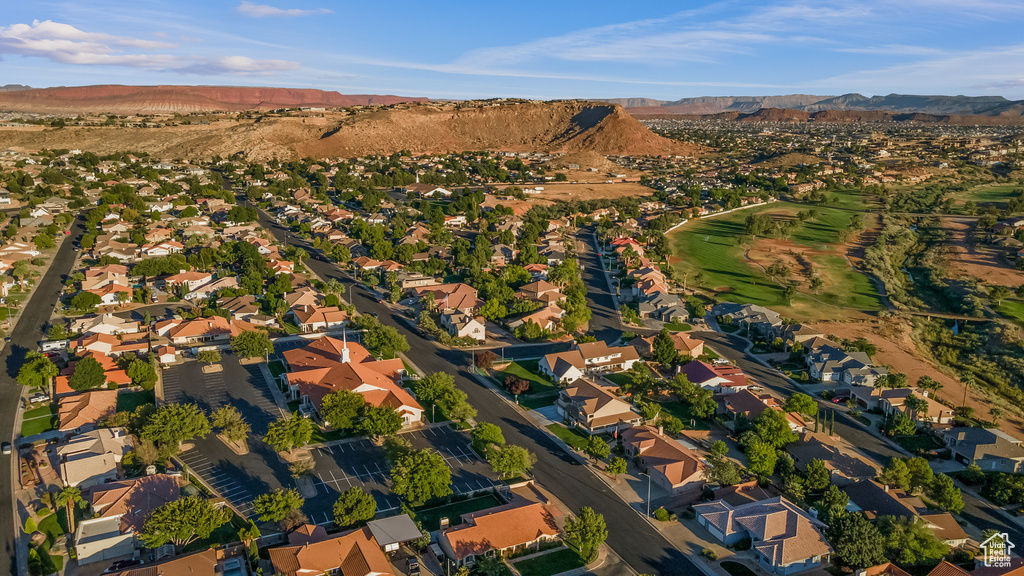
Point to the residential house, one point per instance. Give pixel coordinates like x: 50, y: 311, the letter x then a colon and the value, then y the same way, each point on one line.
x: 720, y: 379
x: 318, y: 318
x: 759, y: 320
x: 162, y: 248
x: 844, y: 462
x: 409, y: 280
x: 540, y: 291
x: 833, y: 364
x: 190, y: 280
x: 240, y: 307
x: 590, y: 358
x: 875, y: 500
x: 91, y: 458
x: 209, y: 330
x: 327, y: 365
x: 595, y: 408
x: 451, y: 297
x: 547, y: 318
x: 461, y: 325
x: 989, y: 448
x: 684, y: 345
x: 933, y: 411
x: 119, y: 512
x: 784, y: 538
x: 671, y: 465
x: 663, y: 306
x: 794, y: 335
x: 748, y: 406
x: 104, y: 344
x: 500, y: 530
x: 352, y: 553
x: 212, y: 288
x: 206, y: 563
x: 84, y: 411
x: 303, y: 297
x: 108, y: 324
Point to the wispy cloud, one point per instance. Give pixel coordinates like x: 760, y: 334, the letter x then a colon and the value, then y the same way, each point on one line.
x: 69, y: 45
x: 267, y: 11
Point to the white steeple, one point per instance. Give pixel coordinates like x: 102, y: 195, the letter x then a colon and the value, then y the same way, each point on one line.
x: 344, y: 350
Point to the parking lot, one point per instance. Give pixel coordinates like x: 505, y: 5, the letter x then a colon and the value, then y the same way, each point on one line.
x: 362, y: 464
x: 238, y: 478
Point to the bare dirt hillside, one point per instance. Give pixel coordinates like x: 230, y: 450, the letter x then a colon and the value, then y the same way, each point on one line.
x: 182, y: 99
x: 557, y: 127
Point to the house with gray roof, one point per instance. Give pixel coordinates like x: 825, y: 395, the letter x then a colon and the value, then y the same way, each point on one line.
x: 989, y: 448
x: 833, y: 364
x: 760, y: 320
x: 663, y: 306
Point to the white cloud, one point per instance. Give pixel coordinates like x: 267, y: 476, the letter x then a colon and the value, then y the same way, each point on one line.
x: 69, y: 45
x: 266, y: 11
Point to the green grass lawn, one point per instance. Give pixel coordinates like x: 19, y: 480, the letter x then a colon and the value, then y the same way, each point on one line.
x: 37, y: 426
x: 989, y: 193
x: 328, y: 435
x: 38, y: 412
x: 431, y: 517
x: 276, y: 368
x: 1012, y: 309
x: 550, y: 563
x: 681, y: 411
x: 716, y: 247
x: 619, y: 379
x: 677, y: 326
x: 917, y: 444
x: 528, y: 370
x: 574, y: 438
x: 129, y: 401
x: 535, y: 401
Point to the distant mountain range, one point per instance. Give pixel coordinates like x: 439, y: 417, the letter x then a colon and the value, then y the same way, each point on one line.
x: 183, y: 99
x: 892, y: 103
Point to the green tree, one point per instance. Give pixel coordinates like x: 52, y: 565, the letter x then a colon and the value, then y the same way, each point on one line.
x: 670, y: 424
x: 252, y: 343
x: 420, y: 475
x: 761, y: 457
x: 723, y: 471
x: 386, y: 341
x: 43, y: 241
x: 37, y: 371
x: 88, y: 374
x: 173, y: 424
x: 663, y: 349
x: 817, y: 475
x: 339, y: 409
x: 208, y: 356
x: 277, y: 505
x: 616, y: 467
x: 597, y: 448
x: 510, y: 461
x: 856, y: 541
x: 142, y: 374
x: 833, y: 502
x: 433, y: 387
x: 484, y: 435
x: 945, y: 493
x: 921, y: 473
x: 772, y: 426
x: 68, y: 498
x: 586, y: 532
x: 354, y: 506
x: 183, y: 521
x: 896, y: 474
x: 910, y: 541
x: 289, y: 432
x: 57, y: 331
x: 801, y: 403
x: 719, y: 448
x: 379, y: 421
x: 85, y: 301
x: 231, y: 423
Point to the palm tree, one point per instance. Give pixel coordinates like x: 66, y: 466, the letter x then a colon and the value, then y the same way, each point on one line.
x: 915, y: 404
x: 995, y: 413
x: 68, y: 497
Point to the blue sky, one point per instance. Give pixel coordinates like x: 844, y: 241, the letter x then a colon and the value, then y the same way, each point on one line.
x: 532, y: 49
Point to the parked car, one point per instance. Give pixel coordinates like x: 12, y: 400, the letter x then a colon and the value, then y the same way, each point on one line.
x: 6, y: 448
x: 840, y: 399
x: 122, y: 565
x: 38, y: 397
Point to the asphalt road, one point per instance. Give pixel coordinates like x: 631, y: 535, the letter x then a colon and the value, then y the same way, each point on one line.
x: 976, y: 511
x: 639, y: 544
x: 26, y: 337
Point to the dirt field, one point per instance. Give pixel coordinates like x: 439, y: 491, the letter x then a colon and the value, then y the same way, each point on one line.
x: 766, y: 251
x: 897, y: 350
x: 986, y: 263
x: 591, y: 191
